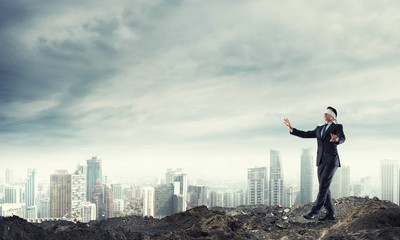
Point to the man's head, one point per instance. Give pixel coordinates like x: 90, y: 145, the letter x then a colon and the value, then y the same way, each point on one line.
x: 330, y: 114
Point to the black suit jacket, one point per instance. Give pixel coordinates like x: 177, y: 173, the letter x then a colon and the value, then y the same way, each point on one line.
x: 327, y: 151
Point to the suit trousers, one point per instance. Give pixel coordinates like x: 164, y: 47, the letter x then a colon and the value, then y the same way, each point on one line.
x: 325, y: 176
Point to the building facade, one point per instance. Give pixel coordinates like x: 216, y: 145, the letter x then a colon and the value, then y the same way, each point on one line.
x: 306, y: 176
x: 257, y: 186
x: 389, y: 176
x: 93, y: 172
x: 276, y: 187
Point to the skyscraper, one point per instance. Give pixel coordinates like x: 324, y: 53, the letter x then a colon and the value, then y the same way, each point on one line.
x: 78, y: 193
x: 12, y: 194
x: 148, y: 201
x: 257, y: 186
x: 98, y: 199
x: 44, y: 208
x: 197, y: 196
x: 109, y: 203
x: 290, y: 194
x: 30, y: 193
x: 336, y: 184
x: 276, y: 192
x: 118, y: 205
x: 390, y: 180
x: 94, y: 172
x: 366, y: 186
x: 306, y: 176
x: 181, y: 192
x: 176, y: 176
x: 345, y: 188
x: 164, y: 200
x: 117, y: 190
x: 212, y: 199
x: 67, y: 194
x: 60, y: 194
x: 88, y: 212
x: 340, y: 186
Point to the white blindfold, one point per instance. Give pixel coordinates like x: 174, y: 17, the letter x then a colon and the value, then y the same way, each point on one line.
x: 330, y: 112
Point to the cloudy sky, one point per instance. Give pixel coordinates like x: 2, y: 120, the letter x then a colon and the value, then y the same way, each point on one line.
x: 204, y: 85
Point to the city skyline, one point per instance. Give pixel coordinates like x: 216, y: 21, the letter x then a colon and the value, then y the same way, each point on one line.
x: 65, y: 196
x: 204, y: 86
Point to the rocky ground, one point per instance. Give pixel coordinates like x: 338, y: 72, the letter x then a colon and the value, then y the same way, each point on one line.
x: 358, y: 218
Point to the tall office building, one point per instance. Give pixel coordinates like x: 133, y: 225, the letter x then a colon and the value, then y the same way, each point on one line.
x: 44, y: 211
x: 67, y: 194
x: 117, y: 190
x: 345, y: 188
x: 148, y: 201
x: 212, y: 199
x: 12, y: 194
x: 366, y: 186
x: 9, y: 176
x: 197, y: 196
x: 306, y: 176
x: 276, y: 191
x: 257, y: 186
x: 109, y: 203
x: 389, y: 180
x: 290, y: 195
x: 164, y: 200
x: 340, y: 185
x: 30, y: 193
x: 336, y: 184
x: 118, y: 205
x: 176, y: 176
x: 203, y: 196
x: 181, y: 192
x: 78, y: 193
x: 60, y: 194
x: 93, y: 172
x: 98, y: 199
x: 239, y: 198
x: 88, y: 212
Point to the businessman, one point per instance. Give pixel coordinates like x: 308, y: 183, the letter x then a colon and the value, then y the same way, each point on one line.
x: 328, y: 137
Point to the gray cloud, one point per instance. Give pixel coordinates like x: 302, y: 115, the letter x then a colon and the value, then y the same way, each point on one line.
x: 188, y: 72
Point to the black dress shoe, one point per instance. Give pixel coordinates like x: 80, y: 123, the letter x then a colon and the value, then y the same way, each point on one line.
x: 311, y: 215
x: 328, y: 217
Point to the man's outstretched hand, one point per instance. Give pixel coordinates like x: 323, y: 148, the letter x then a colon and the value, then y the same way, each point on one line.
x: 334, y: 138
x: 287, y: 123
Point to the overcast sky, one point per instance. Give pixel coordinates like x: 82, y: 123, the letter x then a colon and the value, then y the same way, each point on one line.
x: 204, y: 85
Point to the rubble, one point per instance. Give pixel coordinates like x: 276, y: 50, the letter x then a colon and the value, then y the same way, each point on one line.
x: 358, y: 218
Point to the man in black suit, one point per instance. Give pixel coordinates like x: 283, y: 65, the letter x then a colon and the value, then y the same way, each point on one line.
x: 327, y: 159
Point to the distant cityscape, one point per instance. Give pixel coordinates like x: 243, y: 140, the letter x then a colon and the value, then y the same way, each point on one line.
x: 85, y: 194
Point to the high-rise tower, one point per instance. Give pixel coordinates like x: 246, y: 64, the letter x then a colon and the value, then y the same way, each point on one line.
x: 257, y: 186
x: 306, y: 176
x: 390, y: 180
x: 276, y: 179
x: 94, y: 172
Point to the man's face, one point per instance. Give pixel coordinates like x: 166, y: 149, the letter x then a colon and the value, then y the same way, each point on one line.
x: 328, y: 117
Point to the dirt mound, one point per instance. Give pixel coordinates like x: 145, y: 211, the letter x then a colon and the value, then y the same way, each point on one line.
x: 18, y: 228
x: 373, y: 219
x: 358, y: 218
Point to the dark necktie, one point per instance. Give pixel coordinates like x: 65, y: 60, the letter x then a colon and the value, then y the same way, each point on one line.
x: 323, y: 131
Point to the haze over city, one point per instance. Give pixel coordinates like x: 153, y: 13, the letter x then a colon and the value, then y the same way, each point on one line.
x: 203, y: 86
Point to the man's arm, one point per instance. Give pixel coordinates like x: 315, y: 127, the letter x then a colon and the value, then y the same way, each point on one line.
x: 304, y: 134
x: 299, y: 133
